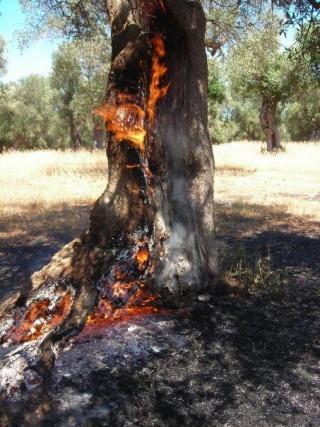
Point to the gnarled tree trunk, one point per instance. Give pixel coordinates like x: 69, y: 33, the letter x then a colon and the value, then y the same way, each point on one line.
x: 268, y: 120
x: 152, y: 230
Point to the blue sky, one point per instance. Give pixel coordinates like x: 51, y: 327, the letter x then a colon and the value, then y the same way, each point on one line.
x: 35, y: 59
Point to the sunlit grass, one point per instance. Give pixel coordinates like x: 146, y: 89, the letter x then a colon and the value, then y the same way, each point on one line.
x: 42, y: 180
x: 289, y: 180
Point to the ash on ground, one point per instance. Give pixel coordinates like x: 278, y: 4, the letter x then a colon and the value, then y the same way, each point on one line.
x: 231, y: 362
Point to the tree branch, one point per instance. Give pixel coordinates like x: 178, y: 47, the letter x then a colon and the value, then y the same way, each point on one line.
x: 213, y: 46
x: 315, y: 4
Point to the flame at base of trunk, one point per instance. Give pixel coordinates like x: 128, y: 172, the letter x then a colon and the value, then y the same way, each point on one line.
x: 106, y: 314
x: 124, y: 287
x: 39, y: 318
x: 123, y: 293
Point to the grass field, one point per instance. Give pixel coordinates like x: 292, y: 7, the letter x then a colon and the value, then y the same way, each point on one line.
x: 46, y: 195
x: 288, y: 180
x: 45, y: 179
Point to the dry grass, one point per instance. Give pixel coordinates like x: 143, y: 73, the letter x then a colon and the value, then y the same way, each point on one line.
x: 33, y: 182
x: 39, y: 180
x: 288, y: 180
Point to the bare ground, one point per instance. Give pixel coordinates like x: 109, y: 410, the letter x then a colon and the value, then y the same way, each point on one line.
x: 232, y: 361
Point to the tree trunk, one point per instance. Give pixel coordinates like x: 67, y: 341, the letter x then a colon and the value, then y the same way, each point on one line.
x: 74, y: 133
x: 268, y: 120
x: 152, y: 230
x: 98, y: 134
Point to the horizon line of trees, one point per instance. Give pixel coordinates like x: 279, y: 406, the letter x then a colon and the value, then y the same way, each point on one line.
x: 256, y: 91
x: 38, y: 112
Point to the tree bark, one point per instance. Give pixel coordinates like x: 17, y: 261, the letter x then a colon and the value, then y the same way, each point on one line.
x: 74, y: 133
x: 268, y: 120
x: 153, y: 227
x: 98, y: 134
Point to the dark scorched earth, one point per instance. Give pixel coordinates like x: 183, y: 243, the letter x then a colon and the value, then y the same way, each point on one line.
x: 227, y: 361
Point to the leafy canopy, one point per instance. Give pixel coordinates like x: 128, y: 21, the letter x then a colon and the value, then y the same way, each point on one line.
x: 258, y: 66
x: 2, y: 56
x: 27, y: 117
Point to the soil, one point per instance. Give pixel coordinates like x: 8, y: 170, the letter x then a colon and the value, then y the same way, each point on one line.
x: 229, y: 361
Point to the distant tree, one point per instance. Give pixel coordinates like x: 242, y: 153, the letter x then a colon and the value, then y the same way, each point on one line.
x: 307, y: 48
x: 37, y: 114
x: 66, y: 79
x: 2, y: 69
x: 245, y: 118
x: 302, y: 115
x: 257, y: 67
x: 27, y: 115
x: 79, y: 75
x: 94, y: 58
x: 2, y: 56
x: 216, y: 98
x: 6, y: 119
x: 216, y: 86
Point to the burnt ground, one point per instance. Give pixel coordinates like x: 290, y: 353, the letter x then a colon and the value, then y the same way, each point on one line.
x: 249, y: 361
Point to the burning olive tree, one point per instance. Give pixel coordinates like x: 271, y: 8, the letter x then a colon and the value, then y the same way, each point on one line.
x: 151, y: 235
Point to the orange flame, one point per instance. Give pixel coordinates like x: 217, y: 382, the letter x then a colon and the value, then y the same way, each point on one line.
x: 116, y: 317
x: 125, y: 121
x: 40, y: 319
x: 158, y: 71
x: 142, y: 258
x: 139, y: 303
x: 125, y: 297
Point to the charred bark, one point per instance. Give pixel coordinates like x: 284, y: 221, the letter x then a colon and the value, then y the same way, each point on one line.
x: 152, y: 230
x: 268, y: 120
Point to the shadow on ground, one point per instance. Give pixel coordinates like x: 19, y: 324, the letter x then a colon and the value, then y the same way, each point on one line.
x: 28, y: 241
x: 248, y: 362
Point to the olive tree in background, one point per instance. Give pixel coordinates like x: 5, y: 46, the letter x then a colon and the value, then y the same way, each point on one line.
x: 28, y: 117
x: 79, y: 75
x: 258, y: 67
